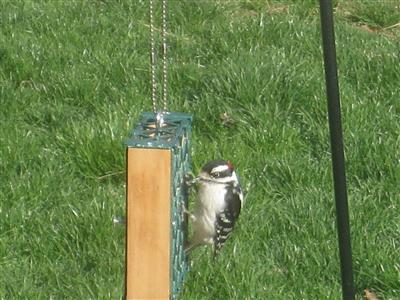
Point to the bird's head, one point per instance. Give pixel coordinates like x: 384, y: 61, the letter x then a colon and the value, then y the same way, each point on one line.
x: 218, y: 171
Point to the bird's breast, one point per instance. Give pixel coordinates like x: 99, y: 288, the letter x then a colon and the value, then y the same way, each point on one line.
x: 212, y: 197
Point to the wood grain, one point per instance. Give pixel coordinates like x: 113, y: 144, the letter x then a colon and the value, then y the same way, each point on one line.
x: 148, y: 224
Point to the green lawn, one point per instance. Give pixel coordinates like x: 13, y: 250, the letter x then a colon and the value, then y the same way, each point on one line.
x: 74, y: 77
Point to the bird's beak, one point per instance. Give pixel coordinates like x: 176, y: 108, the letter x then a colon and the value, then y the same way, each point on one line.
x: 195, y: 180
x: 190, y: 179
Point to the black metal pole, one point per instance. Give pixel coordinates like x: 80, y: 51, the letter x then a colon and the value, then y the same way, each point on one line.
x: 338, y: 162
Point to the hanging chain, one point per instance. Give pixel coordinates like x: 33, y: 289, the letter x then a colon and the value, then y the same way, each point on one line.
x: 153, y: 58
x: 165, y: 48
x: 164, y: 97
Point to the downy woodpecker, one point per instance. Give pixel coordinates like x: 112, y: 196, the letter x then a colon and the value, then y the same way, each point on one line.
x: 219, y: 201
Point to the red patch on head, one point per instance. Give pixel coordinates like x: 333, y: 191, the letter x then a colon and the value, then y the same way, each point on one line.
x: 230, y: 165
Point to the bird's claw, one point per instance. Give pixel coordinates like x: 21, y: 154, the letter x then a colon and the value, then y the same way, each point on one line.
x: 185, y: 211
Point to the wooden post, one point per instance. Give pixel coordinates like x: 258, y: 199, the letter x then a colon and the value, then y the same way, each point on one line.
x: 148, y: 224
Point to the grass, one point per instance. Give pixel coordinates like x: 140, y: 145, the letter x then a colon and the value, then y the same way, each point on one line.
x: 73, y: 80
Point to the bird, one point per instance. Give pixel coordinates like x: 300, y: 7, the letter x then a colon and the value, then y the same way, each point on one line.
x: 217, y: 207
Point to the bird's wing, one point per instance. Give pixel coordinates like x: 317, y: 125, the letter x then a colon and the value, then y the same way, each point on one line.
x: 225, y: 220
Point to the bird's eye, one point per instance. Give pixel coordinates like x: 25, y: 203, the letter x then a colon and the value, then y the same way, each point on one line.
x: 215, y: 174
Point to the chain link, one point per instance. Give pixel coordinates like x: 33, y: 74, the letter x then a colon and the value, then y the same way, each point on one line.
x: 165, y: 49
x: 154, y: 96
x: 153, y: 57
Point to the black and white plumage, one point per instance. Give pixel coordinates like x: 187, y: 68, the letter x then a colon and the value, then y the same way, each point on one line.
x: 218, y: 205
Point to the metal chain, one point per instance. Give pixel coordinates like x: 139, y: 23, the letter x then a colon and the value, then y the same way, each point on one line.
x: 153, y: 58
x: 165, y: 48
x: 153, y: 62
